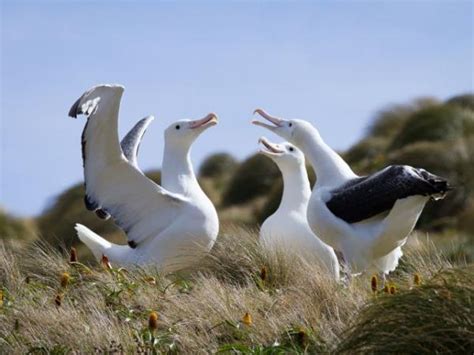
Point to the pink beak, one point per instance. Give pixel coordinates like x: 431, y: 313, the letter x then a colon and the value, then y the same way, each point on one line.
x: 209, y: 120
x: 272, y: 148
x: 278, y: 122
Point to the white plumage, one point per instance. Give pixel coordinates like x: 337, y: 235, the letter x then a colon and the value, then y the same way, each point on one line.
x: 287, y: 229
x: 368, y: 218
x: 172, y: 229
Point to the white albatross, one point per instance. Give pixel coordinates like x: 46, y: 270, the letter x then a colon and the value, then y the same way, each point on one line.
x: 170, y: 229
x: 288, y: 228
x: 369, y: 218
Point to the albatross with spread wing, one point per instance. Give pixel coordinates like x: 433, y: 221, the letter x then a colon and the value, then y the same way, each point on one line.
x: 171, y: 229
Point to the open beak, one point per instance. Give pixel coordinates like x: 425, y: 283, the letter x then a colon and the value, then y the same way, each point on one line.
x: 269, y: 148
x: 208, y: 121
x: 277, y: 122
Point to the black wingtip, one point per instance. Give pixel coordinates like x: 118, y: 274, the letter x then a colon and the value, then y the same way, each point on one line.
x: 102, y: 214
x: 75, y: 109
x: 90, y: 204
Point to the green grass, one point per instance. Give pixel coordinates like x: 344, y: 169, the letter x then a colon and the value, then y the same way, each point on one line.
x: 294, y: 308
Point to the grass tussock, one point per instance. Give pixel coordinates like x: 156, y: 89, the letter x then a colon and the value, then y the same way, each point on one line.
x: 240, y: 300
x: 432, y: 317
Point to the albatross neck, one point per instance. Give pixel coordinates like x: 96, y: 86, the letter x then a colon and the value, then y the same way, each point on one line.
x: 177, y: 173
x: 296, y: 189
x: 331, y: 170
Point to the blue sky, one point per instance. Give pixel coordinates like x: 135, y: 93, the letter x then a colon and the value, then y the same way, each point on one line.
x: 334, y: 63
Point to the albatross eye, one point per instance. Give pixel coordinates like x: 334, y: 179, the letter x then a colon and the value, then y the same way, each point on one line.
x: 291, y: 149
x: 290, y: 124
x: 178, y: 126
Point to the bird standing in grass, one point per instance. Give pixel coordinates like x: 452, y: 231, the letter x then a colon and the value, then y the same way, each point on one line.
x: 287, y: 229
x: 366, y: 218
x: 170, y: 228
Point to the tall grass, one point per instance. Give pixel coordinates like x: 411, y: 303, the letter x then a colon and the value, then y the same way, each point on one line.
x: 240, y: 299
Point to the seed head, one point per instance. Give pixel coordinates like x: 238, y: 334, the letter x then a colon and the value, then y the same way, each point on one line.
x: 65, y: 278
x: 417, y: 279
x: 373, y: 283
x: 386, y: 289
x: 263, y: 273
x: 58, y: 299
x: 153, y: 321
x: 247, y: 319
x: 393, y: 290
x: 1, y: 298
x: 105, y: 262
x: 302, y: 336
x: 150, y: 280
x: 73, y: 255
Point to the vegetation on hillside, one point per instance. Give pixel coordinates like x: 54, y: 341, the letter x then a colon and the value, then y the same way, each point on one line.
x: 240, y: 300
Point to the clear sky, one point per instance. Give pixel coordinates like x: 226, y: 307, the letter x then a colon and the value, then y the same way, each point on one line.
x: 332, y: 62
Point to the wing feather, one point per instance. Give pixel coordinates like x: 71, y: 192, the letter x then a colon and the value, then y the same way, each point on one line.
x: 131, y: 142
x: 368, y: 196
x: 139, y: 206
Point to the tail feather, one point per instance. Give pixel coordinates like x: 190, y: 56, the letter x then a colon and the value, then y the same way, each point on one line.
x: 98, y: 245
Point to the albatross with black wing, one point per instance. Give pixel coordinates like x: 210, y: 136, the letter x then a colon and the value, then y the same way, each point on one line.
x: 369, y: 218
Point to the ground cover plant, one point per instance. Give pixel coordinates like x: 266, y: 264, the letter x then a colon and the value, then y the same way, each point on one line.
x: 240, y: 300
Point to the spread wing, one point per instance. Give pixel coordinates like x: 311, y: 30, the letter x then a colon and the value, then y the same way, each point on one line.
x: 368, y: 196
x: 130, y: 145
x: 142, y: 208
x: 131, y: 142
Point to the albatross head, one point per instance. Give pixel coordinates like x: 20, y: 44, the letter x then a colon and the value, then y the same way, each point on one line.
x: 285, y: 155
x: 293, y: 130
x: 185, y: 132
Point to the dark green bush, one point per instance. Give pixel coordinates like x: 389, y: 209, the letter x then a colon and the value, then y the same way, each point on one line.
x: 437, y: 123
x: 436, y: 317
x: 254, y: 177
x: 217, y: 165
x: 390, y: 120
x: 465, y: 101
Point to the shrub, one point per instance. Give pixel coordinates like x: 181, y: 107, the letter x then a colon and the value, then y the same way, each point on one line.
x: 465, y: 101
x: 435, y: 317
x: 390, y: 120
x: 16, y: 228
x: 218, y: 165
x: 437, y: 123
x: 254, y: 177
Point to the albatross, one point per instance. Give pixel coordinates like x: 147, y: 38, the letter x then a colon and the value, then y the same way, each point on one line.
x: 366, y: 218
x: 170, y: 228
x: 130, y: 145
x: 288, y: 227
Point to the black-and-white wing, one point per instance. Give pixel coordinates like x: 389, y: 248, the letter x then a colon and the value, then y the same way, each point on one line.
x: 138, y: 205
x: 368, y: 196
x: 130, y: 144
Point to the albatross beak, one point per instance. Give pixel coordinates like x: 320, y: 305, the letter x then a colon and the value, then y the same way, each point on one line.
x: 271, y: 149
x: 278, y: 122
x: 208, y: 121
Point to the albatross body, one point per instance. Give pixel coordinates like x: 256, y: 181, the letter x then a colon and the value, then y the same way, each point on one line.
x: 367, y: 218
x: 288, y: 228
x: 170, y: 228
